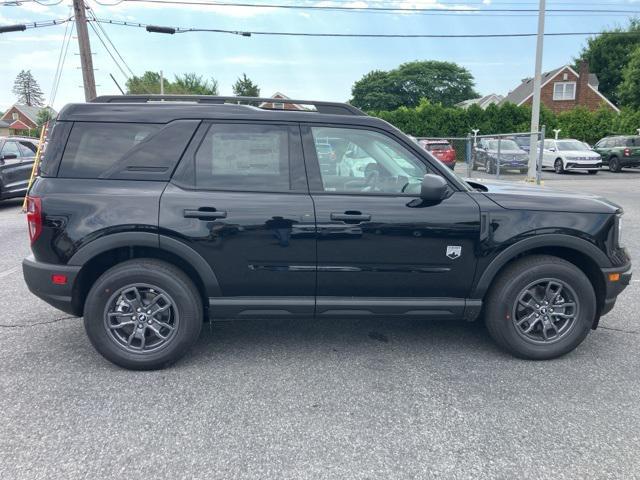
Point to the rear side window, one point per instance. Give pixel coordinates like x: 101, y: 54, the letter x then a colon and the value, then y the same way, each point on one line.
x: 633, y: 142
x: 10, y: 148
x: 93, y: 148
x: 244, y: 157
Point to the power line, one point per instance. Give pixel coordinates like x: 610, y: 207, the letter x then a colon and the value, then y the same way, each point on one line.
x: 374, y: 8
x: 104, y: 33
x: 64, y: 48
x: 350, y: 35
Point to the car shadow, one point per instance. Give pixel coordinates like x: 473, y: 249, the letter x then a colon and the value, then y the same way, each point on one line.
x: 224, y: 340
x: 11, y: 203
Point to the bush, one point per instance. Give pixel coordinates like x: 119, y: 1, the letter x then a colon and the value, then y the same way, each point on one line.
x: 434, y: 120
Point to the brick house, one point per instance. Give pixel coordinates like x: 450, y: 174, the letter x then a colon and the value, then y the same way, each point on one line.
x: 20, y: 119
x: 275, y: 105
x: 563, y: 89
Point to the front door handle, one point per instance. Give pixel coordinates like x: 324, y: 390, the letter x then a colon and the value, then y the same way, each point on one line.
x: 205, y: 213
x: 350, y: 217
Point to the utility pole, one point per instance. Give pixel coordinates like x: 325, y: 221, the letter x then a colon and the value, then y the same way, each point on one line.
x: 86, y: 61
x: 535, y: 108
x: 161, y: 83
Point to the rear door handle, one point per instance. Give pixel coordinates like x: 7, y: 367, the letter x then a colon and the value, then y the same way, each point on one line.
x: 205, y: 213
x: 351, y: 217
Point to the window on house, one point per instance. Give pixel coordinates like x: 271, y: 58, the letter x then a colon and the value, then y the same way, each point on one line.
x: 564, y: 91
x: 15, y: 116
x: 278, y: 106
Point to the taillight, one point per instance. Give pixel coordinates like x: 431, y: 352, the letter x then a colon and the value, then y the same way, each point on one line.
x: 627, y: 152
x: 34, y: 217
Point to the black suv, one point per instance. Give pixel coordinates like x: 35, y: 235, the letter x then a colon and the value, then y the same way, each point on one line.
x: 16, y: 162
x: 150, y: 216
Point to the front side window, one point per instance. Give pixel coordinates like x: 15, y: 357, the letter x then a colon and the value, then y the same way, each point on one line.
x: 244, y: 157
x: 564, y: 90
x: 363, y: 161
x: 28, y: 149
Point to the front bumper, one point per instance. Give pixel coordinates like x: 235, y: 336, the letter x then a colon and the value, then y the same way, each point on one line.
x: 38, y: 277
x: 583, y: 166
x: 615, y: 287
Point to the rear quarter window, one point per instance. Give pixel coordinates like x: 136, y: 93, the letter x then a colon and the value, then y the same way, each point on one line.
x: 125, y: 151
x: 93, y: 148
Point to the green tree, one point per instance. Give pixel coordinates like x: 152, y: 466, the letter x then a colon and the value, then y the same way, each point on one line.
x: 186, y: 84
x: 194, y: 84
x: 244, y: 87
x: 44, y: 115
x: 629, y: 89
x: 439, y: 82
x: 608, y: 55
x: 27, y: 90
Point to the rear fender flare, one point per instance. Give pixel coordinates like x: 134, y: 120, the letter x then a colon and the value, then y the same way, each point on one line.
x: 151, y: 240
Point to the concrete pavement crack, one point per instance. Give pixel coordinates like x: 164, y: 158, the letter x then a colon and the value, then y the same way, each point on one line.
x: 36, y: 323
x: 635, y: 332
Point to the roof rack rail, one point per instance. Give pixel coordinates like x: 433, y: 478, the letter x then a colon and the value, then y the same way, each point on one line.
x: 335, y: 108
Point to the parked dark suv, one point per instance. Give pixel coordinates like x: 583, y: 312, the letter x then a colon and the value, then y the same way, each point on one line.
x: 151, y: 216
x: 16, y: 162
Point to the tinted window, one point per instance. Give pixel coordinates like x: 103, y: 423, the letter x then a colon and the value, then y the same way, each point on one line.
x: 633, y: 142
x: 244, y: 157
x: 93, y: 148
x: 10, y: 148
x: 368, y: 162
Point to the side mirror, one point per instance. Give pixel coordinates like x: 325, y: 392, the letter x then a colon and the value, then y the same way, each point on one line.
x: 434, y: 188
x: 8, y: 156
x: 552, y: 149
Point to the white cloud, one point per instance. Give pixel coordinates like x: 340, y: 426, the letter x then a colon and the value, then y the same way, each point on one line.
x: 250, y: 60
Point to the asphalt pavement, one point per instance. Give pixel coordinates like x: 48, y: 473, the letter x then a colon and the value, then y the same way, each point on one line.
x: 339, y: 399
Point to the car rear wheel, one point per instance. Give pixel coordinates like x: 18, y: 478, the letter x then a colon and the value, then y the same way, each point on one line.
x: 541, y: 307
x: 143, y: 314
x: 614, y: 165
x: 558, y: 166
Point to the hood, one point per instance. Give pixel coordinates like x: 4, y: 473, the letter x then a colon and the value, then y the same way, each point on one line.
x: 580, y: 153
x: 518, y: 196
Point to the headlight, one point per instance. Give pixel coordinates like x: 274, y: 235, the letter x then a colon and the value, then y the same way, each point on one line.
x: 619, y: 230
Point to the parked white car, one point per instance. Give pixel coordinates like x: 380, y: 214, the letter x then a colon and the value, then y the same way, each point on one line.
x: 569, y: 154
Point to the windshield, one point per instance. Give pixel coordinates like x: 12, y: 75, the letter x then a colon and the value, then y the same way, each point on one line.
x: 568, y: 145
x: 504, y: 145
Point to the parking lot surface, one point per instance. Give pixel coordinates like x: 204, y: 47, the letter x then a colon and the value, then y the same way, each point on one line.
x: 352, y: 399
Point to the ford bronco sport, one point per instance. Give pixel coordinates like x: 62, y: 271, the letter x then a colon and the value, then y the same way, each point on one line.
x: 151, y: 216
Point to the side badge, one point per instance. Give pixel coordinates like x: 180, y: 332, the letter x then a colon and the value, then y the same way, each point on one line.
x: 454, y: 251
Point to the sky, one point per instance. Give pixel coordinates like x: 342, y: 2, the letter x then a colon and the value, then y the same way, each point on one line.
x: 300, y: 67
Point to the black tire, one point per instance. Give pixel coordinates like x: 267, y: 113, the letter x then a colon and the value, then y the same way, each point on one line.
x: 504, y: 296
x: 558, y: 166
x: 157, y: 277
x: 490, y: 167
x: 614, y: 165
x: 593, y: 172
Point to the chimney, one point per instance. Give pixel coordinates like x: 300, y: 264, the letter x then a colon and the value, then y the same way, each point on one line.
x: 583, y: 82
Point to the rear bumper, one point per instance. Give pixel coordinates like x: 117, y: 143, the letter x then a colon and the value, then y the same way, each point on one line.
x: 614, y: 288
x: 37, y: 276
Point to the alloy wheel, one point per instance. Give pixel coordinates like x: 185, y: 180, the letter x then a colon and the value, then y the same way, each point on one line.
x: 141, y: 318
x: 545, y: 311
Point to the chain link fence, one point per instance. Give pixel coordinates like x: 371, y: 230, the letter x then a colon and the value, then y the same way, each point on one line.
x: 502, y: 156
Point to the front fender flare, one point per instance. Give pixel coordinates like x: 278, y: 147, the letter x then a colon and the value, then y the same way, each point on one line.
x: 547, y: 240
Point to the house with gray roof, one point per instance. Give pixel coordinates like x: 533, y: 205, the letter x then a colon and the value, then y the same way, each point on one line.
x: 563, y: 89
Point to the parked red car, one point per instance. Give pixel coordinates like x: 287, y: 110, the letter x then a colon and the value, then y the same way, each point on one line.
x: 442, y: 150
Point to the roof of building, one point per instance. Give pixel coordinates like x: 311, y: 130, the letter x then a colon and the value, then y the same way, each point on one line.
x: 525, y: 89
x: 482, y: 102
x: 30, y: 111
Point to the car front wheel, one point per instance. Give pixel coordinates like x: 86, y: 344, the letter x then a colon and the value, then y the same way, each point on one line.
x: 143, y: 314
x: 541, y: 307
x: 558, y: 166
